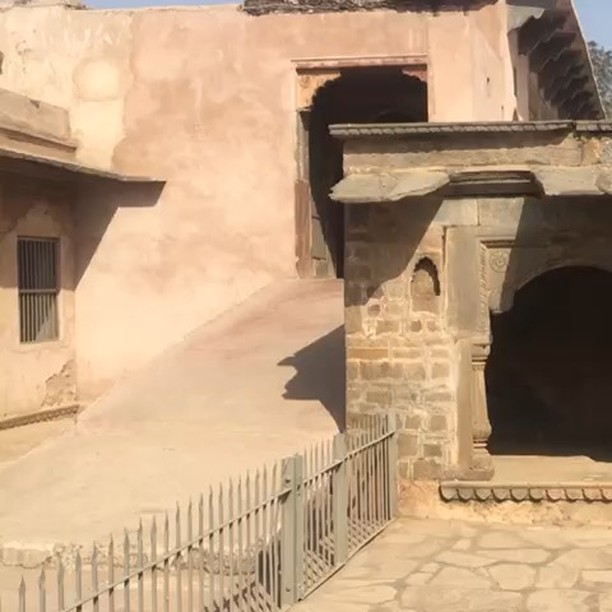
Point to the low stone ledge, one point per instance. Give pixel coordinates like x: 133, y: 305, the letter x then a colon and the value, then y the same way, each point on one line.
x: 451, y: 491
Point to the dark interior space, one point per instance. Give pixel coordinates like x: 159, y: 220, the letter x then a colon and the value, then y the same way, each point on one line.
x: 365, y: 95
x: 549, y: 376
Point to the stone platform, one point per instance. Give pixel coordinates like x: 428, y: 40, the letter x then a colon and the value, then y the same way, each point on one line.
x: 453, y: 566
x: 537, y: 479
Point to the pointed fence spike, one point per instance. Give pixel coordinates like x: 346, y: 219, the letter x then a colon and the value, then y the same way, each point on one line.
x: 22, y: 595
x: 78, y: 576
x: 42, y: 592
x: 60, y: 582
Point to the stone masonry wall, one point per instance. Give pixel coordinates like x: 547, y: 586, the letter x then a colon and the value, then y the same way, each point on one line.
x: 399, y: 354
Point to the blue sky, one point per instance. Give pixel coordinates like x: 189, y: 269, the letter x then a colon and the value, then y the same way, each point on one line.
x: 596, y: 15
x: 596, y: 18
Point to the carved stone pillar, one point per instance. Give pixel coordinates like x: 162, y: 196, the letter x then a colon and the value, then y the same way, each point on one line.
x: 482, y: 465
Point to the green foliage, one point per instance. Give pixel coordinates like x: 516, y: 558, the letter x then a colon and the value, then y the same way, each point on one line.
x: 602, y: 63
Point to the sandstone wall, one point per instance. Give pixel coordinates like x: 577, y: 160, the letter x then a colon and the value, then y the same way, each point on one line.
x: 35, y: 375
x: 205, y: 98
x: 409, y: 337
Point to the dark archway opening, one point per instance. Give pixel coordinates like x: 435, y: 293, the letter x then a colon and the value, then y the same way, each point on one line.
x: 364, y: 95
x: 549, y: 375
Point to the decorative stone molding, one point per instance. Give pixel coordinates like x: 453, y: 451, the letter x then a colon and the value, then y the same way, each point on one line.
x: 481, y: 464
x: 265, y: 7
x: 475, y: 491
x: 308, y: 83
x: 40, y: 416
x: 312, y: 74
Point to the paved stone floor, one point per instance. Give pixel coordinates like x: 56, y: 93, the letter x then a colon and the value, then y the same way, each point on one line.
x: 440, y: 566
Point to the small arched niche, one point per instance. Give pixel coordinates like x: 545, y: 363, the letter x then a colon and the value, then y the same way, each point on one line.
x: 425, y: 286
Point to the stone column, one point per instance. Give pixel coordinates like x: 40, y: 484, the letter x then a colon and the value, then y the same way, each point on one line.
x: 482, y: 464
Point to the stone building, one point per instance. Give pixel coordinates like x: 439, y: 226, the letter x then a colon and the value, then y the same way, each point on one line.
x: 228, y: 110
x: 478, y: 293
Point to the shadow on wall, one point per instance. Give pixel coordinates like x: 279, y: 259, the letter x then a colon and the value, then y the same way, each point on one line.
x: 97, y: 203
x: 320, y: 374
x: 382, y: 240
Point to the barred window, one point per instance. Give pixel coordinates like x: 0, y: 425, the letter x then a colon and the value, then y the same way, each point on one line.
x: 37, y: 270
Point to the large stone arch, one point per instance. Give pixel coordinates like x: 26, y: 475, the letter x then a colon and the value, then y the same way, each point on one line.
x: 504, y: 267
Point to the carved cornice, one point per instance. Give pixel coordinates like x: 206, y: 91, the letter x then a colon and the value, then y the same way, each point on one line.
x: 346, y: 132
x: 265, y: 7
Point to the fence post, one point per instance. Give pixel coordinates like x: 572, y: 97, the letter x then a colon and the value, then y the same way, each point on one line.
x: 392, y: 467
x: 340, y: 501
x: 292, y: 531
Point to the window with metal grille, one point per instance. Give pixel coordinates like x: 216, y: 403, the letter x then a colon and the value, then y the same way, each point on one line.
x: 37, y: 270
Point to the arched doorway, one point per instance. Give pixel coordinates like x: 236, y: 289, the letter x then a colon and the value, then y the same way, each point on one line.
x: 360, y: 95
x: 549, y: 375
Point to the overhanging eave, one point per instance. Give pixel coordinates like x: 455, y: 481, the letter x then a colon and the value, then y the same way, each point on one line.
x: 549, y: 181
x: 48, y: 167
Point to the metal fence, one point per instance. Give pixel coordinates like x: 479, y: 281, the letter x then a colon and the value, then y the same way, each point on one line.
x: 261, y: 543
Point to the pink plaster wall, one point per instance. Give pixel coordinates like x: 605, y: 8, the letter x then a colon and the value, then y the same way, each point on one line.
x: 205, y: 98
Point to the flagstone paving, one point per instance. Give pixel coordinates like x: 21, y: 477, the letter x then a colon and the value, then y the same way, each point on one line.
x: 439, y: 566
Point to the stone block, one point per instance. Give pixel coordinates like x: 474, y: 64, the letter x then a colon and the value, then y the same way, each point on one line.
x: 367, y: 354
x: 415, y: 327
x: 382, y: 397
x: 388, y: 327
x: 426, y: 469
x: 582, y: 181
x: 457, y: 212
x: 438, y: 396
x: 381, y: 370
x: 407, y: 353
x: 415, y: 371
x: 352, y: 370
x: 353, y: 320
x: 432, y: 450
x: 440, y: 370
x: 412, y: 422
x: 407, y: 444
x: 463, y: 284
x: 437, y: 423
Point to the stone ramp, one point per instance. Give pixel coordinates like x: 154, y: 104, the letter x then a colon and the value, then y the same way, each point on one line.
x: 259, y: 383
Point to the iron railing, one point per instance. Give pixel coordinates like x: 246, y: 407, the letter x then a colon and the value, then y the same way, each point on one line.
x: 261, y: 543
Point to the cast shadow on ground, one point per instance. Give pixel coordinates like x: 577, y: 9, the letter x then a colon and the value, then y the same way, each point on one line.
x: 320, y: 374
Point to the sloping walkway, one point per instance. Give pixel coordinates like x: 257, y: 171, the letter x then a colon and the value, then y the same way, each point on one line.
x: 255, y: 385
x: 440, y: 566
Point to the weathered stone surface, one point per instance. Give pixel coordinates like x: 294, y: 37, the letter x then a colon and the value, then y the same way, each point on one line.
x: 520, y: 555
x: 463, y: 544
x: 458, y: 599
x: 513, y: 576
x: 557, y: 576
x: 457, y: 212
x: 366, y: 594
x: 500, y: 539
x: 418, y: 579
x: 463, y: 559
x: 586, y: 559
x: 598, y: 576
x: 559, y: 601
x: 380, y: 187
x: 582, y: 181
x: 459, y: 577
